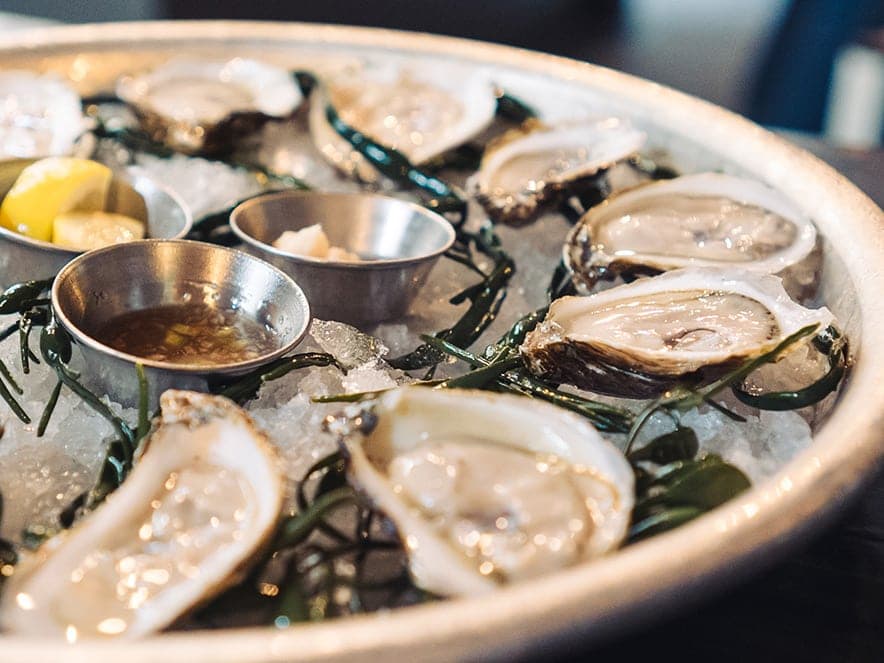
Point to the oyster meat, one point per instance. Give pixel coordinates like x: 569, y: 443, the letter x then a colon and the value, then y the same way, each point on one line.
x: 695, y: 220
x: 639, y: 339
x: 205, y: 106
x: 202, y: 499
x: 510, y: 488
x: 422, y: 110
x: 40, y: 115
x: 527, y: 166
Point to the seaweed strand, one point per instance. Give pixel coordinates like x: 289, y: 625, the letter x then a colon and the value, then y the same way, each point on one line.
x: 684, y: 397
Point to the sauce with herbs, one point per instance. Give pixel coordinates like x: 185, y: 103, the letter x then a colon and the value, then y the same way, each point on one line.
x: 191, y: 333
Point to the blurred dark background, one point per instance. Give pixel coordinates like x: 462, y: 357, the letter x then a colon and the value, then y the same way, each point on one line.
x: 815, y: 66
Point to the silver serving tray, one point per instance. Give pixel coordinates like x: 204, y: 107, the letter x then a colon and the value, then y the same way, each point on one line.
x: 650, y: 578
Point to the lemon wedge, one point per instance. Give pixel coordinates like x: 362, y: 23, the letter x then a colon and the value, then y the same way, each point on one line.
x: 84, y: 231
x: 50, y: 187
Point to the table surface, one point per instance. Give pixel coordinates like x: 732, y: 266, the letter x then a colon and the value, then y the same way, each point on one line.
x: 824, y: 602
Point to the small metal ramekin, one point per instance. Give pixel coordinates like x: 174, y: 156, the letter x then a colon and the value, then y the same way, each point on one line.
x: 400, y: 242
x: 23, y: 258
x: 105, y: 283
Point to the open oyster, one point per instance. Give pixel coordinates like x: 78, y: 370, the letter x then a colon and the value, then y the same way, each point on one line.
x: 695, y: 220
x: 691, y: 324
x: 205, y: 106
x: 527, y: 166
x: 420, y: 110
x: 507, y: 489
x: 202, y: 499
x: 40, y: 115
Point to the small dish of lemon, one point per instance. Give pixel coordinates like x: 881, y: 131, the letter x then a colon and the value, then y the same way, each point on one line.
x: 69, y: 202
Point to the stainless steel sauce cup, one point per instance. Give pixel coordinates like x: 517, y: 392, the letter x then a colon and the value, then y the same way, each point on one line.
x: 103, y: 284
x: 399, y: 241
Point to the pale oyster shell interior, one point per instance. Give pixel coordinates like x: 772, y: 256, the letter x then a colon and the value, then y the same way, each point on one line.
x: 525, y: 166
x: 676, y: 325
x: 40, y: 115
x: 203, y: 497
x: 421, y: 109
x: 706, y: 219
x: 206, y: 105
x: 207, y: 91
x: 672, y: 324
x: 508, y: 489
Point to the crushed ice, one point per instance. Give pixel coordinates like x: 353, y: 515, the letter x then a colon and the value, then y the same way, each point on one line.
x: 211, y: 186
x: 284, y: 407
x: 759, y: 446
x: 40, y: 476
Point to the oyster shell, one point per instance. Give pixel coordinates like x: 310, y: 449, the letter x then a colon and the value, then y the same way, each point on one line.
x: 40, y: 116
x: 639, y: 339
x: 527, y: 166
x: 695, y: 220
x: 421, y: 110
x: 509, y: 488
x: 201, y: 500
x: 205, y: 106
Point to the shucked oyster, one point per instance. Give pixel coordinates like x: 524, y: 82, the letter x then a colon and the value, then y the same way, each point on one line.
x: 695, y: 220
x: 40, y: 116
x: 202, y: 499
x: 527, y: 166
x: 422, y: 110
x: 686, y: 325
x: 507, y: 489
x: 204, y: 106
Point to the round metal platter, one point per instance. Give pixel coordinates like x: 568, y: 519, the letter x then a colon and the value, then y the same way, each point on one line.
x: 594, y: 600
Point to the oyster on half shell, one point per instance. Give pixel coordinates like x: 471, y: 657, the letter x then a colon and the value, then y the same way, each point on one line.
x: 422, y: 109
x: 509, y: 488
x: 690, y: 324
x: 527, y: 166
x: 707, y: 219
x: 204, y: 106
x: 202, y: 499
x: 40, y: 116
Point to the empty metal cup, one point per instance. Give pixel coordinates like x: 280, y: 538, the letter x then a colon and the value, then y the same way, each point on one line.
x: 103, y: 284
x: 398, y: 241
x: 23, y: 258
